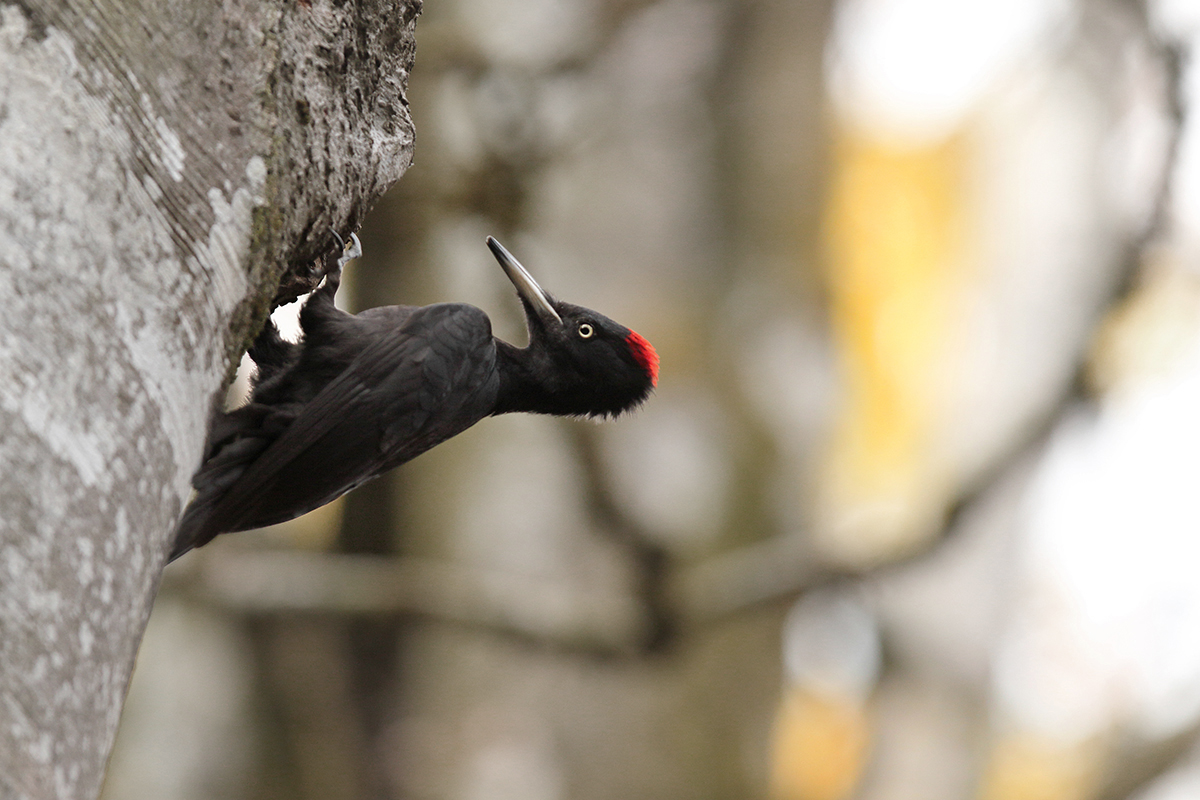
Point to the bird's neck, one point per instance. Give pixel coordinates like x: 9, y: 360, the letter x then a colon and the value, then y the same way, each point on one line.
x: 523, y: 386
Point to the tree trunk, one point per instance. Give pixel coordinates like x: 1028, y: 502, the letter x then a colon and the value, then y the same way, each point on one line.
x: 161, y: 166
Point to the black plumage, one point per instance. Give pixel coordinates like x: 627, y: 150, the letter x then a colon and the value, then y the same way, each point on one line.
x: 361, y: 394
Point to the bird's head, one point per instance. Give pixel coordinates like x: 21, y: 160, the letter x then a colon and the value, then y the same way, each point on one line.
x: 578, y: 361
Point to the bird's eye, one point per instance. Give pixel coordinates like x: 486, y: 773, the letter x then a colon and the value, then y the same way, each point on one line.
x: 586, y: 331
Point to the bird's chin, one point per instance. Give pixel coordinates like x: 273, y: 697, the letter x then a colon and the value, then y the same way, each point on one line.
x: 619, y: 407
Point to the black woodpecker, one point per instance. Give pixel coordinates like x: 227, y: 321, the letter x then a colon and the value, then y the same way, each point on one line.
x: 363, y: 393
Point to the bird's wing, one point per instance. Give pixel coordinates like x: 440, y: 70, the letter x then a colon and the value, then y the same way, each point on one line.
x: 404, y: 393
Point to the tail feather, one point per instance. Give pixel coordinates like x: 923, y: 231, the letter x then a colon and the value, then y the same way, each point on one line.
x: 236, y: 439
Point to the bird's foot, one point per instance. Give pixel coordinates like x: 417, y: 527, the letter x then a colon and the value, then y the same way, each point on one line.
x: 349, y: 251
x: 338, y: 258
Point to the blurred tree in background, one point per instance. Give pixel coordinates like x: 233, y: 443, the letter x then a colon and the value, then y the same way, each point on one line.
x: 912, y: 512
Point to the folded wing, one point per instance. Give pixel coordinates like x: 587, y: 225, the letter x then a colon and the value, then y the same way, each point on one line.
x: 405, y: 392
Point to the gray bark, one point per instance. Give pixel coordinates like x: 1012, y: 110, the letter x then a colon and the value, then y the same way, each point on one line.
x: 161, y: 166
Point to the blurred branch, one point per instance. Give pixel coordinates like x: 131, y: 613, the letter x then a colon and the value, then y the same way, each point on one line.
x: 269, y: 582
x: 736, y: 580
x: 290, y: 582
x: 689, y: 595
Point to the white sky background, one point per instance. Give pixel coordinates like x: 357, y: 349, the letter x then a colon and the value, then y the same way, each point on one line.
x: 916, y: 67
x: 1108, y: 603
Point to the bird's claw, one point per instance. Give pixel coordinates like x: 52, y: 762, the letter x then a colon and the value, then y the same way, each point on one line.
x: 349, y: 252
x: 346, y: 252
x: 337, y: 258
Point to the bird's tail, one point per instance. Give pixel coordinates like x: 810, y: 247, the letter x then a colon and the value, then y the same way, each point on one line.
x: 190, y: 532
x: 236, y: 439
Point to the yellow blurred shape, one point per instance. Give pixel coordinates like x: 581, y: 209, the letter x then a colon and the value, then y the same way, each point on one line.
x: 1029, y: 767
x: 819, y: 746
x: 1151, y: 331
x: 895, y: 230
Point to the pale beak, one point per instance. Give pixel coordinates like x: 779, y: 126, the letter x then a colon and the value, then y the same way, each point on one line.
x: 531, y: 294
